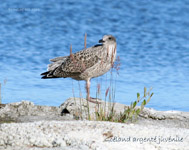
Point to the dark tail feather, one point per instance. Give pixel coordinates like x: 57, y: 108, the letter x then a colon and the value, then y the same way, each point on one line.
x: 45, y: 77
x: 45, y: 73
x: 48, y: 75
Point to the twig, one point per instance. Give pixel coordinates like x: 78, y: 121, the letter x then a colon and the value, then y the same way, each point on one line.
x: 85, y: 41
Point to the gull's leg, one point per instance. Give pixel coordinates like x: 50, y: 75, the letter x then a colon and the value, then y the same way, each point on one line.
x: 88, y: 92
x: 88, y: 89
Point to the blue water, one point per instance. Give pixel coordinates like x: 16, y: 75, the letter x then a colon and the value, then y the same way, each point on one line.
x: 152, y: 42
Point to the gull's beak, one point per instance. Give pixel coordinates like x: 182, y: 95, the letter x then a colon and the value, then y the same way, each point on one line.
x: 101, y: 41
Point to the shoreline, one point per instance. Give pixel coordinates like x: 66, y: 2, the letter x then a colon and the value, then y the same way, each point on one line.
x: 25, y: 125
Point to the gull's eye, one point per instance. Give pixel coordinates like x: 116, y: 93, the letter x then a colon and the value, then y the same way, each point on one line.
x: 109, y: 38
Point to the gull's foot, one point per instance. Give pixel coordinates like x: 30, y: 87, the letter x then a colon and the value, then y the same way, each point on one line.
x: 95, y: 100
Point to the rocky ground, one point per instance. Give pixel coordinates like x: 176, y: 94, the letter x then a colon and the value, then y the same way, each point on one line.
x: 24, y: 125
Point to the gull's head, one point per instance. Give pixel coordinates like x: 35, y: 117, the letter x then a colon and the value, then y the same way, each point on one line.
x: 108, y: 39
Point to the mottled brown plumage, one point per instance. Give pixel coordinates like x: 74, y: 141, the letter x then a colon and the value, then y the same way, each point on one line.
x: 85, y: 64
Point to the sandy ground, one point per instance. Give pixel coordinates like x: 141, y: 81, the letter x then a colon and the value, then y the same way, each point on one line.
x: 24, y: 125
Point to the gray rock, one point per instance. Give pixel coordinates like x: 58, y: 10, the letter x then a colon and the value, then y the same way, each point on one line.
x: 26, y: 111
x: 47, y: 127
x: 76, y: 108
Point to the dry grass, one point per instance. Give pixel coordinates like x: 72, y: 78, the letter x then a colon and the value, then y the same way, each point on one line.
x: 1, y: 85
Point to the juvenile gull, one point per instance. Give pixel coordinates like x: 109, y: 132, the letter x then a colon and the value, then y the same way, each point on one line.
x: 85, y: 64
